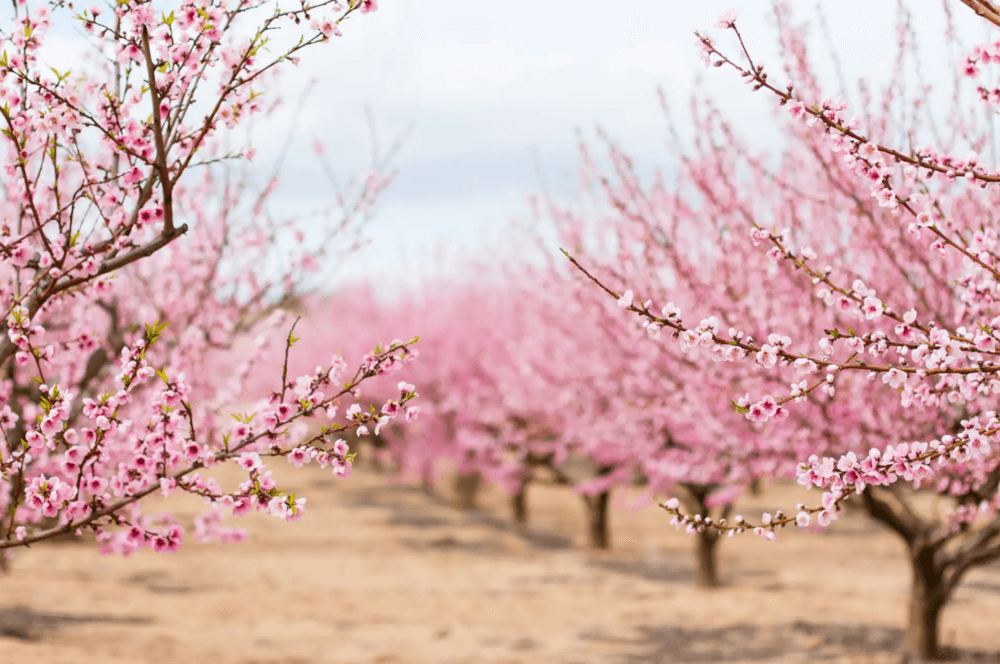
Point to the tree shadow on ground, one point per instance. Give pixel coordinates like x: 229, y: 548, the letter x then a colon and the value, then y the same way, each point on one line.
x: 668, y: 644
x: 158, y: 582
x: 540, y: 540
x: 415, y: 519
x: 21, y: 622
x: 656, y: 570
x: 410, y: 515
x: 487, y: 546
x: 670, y: 570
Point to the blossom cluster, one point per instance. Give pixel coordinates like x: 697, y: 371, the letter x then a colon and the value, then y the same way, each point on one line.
x: 86, y: 478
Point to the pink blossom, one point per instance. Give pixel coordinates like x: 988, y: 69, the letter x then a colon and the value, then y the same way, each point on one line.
x: 872, y: 307
x: 249, y: 461
x: 299, y: 457
x: 767, y: 356
x: 727, y: 19
x: 756, y: 413
x: 769, y: 406
x: 868, y: 151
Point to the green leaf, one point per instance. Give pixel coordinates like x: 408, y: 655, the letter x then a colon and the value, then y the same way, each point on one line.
x: 153, y: 331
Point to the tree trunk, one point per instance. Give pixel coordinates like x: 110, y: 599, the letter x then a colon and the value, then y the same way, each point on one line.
x: 706, y: 556
x: 519, y: 506
x: 928, y: 589
x: 466, y: 487
x: 426, y: 479
x: 927, y: 597
x: 597, y: 520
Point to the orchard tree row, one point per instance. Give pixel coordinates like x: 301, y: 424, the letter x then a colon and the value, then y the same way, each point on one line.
x: 822, y: 310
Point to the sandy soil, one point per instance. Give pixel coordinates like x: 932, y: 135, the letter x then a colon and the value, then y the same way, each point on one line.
x: 383, y: 573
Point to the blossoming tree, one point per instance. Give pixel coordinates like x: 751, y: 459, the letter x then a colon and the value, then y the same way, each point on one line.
x: 882, y: 257
x: 509, y: 391
x: 107, y: 168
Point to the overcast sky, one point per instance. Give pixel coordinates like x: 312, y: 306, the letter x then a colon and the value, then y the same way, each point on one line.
x: 495, y: 92
x: 491, y: 87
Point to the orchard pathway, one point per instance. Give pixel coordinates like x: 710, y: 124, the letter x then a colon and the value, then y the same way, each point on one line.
x: 379, y: 573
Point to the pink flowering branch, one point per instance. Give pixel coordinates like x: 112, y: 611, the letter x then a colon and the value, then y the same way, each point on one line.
x: 864, y: 151
x: 57, y: 498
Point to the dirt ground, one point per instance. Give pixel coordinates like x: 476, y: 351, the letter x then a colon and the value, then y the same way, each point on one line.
x: 379, y: 573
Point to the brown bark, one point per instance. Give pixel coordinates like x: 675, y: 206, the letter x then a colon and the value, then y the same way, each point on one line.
x: 706, y: 559
x: 519, y: 506
x: 597, y: 520
x: 706, y: 555
x: 927, y: 598
x: 466, y: 487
